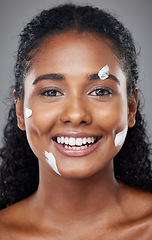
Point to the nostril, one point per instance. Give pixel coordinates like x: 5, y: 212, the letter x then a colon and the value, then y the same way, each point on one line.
x: 75, y: 114
x: 83, y: 122
x: 67, y: 121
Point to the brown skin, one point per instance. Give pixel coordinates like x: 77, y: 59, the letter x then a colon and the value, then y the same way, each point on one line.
x: 85, y: 202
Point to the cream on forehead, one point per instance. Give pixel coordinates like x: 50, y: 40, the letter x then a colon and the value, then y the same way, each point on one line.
x: 28, y: 112
x: 104, y: 73
x: 120, y: 137
x: 51, y: 161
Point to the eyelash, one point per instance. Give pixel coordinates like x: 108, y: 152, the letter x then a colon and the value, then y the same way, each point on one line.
x: 99, y: 92
x: 55, y: 92
x: 103, y: 92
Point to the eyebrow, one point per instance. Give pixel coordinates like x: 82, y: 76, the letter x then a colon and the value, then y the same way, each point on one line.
x: 51, y: 76
x: 58, y: 76
x: 95, y: 76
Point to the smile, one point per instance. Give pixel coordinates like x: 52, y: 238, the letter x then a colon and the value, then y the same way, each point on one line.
x: 76, y: 143
x: 76, y: 146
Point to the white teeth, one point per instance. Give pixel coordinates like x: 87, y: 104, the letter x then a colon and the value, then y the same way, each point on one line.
x: 82, y: 147
x: 78, y: 141
x: 66, y: 140
x: 89, y: 140
x: 73, y: 142
x: 78, y: 148
x: 75, y: 148
x: 84, y: 140
x: 62, y: 140
x: 58, y: 139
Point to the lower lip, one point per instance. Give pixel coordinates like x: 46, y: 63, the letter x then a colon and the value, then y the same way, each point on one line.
x: 76, y: 153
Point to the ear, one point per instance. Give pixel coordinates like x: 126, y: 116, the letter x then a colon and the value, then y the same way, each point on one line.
x: 132, y: 108
x: 19, y: 111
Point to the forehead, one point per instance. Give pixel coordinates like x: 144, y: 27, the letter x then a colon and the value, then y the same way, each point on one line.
x: 71, y: 50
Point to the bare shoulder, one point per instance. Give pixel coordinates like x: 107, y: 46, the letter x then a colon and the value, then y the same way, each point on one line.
x: 137, y: 205
x: 11, y: 219
x: 3, y: 226
x: 135, y: 220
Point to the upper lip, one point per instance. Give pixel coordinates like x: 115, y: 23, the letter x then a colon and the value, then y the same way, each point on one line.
x: 75, y: 134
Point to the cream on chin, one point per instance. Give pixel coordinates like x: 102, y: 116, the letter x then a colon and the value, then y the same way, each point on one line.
x: 51, y: 161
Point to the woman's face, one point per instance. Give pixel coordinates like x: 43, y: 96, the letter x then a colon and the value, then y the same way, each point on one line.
x: 71, y: 106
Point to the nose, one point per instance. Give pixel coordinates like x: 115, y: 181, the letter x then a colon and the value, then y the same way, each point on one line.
x: 76, y: 112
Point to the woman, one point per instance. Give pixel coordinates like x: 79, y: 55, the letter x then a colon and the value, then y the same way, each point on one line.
x: 76, y: 105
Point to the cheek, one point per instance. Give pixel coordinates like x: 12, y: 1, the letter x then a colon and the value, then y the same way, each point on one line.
x: 112, y: 117
x: 39, y: 126
x: 42, y: 119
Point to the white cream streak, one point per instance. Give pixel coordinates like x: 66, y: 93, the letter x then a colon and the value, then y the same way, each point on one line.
x: 120, y: 137
x: 28, y: 112
x: 51, y: 161
x: 104, y: 73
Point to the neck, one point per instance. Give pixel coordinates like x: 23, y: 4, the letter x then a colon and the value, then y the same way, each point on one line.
x: 80, y: 197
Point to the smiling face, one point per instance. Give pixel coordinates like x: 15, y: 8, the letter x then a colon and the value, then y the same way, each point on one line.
x: 75, y: 114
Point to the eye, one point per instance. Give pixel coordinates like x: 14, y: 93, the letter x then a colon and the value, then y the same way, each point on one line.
x: 101, y: 92
x: 51, y: 93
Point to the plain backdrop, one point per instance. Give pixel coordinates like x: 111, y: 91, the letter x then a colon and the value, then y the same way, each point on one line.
x: 135, y: 14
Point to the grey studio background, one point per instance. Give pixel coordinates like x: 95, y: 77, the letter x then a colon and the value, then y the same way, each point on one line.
x: 135, y: 14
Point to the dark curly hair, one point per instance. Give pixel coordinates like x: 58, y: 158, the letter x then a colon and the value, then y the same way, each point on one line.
x: 19, y: 175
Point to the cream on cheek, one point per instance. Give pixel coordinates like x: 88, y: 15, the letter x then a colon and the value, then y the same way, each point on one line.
x: 120, y: 137
x: 51, y: 161
x: 28, y: 112
x: 49, y: 156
